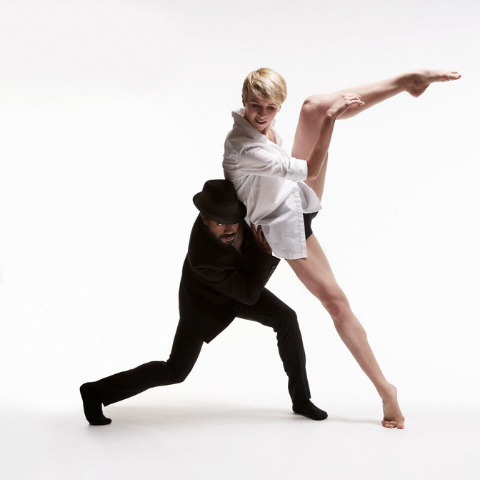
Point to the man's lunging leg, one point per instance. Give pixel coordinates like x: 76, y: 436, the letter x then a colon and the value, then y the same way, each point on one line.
x: 185, y: 351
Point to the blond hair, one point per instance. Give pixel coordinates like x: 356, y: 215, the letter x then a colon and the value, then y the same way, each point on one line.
x: 266, y: 84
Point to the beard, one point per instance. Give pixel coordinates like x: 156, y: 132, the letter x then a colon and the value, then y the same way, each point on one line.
x: 227, y: 239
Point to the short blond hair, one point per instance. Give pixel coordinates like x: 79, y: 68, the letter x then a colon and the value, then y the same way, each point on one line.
x: 266, y: 84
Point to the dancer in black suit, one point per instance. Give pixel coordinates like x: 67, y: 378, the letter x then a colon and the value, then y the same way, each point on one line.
x: 223, y: 277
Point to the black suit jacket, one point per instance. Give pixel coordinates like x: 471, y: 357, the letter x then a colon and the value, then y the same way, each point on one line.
x: 217, y: 279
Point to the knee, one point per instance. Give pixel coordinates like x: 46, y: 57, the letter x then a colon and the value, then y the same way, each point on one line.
x: 314, y: 106
x: 338, y: 307
x: 177, y: 375
x: 288, y: 320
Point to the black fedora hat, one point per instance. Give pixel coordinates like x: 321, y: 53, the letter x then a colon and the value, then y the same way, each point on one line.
x: 218, y: 201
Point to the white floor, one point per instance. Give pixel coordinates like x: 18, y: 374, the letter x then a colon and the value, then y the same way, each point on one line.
x: 205, y: 440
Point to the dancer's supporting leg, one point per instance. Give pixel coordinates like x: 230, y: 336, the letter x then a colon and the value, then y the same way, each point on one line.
x: 315, y: 273
x: 315, y: 107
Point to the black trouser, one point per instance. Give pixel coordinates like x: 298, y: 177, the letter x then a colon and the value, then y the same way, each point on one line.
x: 268, y: 310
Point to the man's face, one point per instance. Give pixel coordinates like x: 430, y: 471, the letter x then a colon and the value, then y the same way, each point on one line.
x: 259, y: 113
x: 222, y: 232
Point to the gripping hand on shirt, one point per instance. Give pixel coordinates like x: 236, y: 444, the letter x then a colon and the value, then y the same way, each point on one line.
x: 260, y: 237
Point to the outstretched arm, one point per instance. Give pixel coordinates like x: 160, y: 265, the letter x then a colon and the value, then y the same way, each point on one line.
x: 319, y: 152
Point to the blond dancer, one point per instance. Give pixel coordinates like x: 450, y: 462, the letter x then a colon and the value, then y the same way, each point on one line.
x: 283, y: 192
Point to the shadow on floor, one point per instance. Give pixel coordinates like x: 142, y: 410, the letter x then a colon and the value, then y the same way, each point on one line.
x: 149, y: 415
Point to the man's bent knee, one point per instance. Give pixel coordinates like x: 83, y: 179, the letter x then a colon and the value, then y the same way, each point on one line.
x: 288, y: 319
x: 177, y: 375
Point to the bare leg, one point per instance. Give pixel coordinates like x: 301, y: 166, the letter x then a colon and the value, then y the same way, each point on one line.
x: 315, y: 107
x: 315, y: 273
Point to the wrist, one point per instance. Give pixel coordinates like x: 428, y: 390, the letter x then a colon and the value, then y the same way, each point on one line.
x: 330, y: 116
x: 266, y: 250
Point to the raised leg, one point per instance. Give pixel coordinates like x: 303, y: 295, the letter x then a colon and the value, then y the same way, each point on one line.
x: 315, y: 107
x: 315, y: 273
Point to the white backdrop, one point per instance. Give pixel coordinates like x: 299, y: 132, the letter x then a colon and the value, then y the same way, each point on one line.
x: 113, y: 114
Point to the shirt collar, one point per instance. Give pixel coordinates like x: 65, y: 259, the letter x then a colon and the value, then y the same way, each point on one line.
x: 239, y: 120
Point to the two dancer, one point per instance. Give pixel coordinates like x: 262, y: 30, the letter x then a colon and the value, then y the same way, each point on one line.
x: 282, y: 193
x: 229, y: 263
x: 223, y: 277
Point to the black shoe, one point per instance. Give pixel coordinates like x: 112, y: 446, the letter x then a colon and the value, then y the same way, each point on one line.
x: 92, y: 406
x: 309, y: 410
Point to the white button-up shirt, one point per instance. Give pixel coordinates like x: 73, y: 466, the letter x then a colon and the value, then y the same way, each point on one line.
x: 270, y: 183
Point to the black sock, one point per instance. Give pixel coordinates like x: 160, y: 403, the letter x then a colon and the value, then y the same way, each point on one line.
x: 92, y: 406
x: 309, y: 410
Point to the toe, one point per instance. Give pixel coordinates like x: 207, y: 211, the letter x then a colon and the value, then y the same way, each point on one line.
x: 400, y: 424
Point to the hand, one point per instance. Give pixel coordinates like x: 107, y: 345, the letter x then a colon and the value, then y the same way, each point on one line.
x: 260, y: 237
x: 343, y: 103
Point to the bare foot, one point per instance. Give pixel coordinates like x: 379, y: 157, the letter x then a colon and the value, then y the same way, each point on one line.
x: 417, y: 82
x: 392, y: 416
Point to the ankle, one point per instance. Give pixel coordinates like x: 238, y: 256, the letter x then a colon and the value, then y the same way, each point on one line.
x: 387, y: 392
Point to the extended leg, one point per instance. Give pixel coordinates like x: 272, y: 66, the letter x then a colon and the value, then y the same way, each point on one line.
x: 315, y: 107
x: 315, y: 273
x: 272, y: 312
x: 185, y: 351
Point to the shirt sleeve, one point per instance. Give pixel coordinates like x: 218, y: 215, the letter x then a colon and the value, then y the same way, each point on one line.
x: 257, y: 160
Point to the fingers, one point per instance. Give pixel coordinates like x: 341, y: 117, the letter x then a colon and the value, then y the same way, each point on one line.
x: 257, y: 232
x: 352, y: 99
x: 345, y: 101
x: 350, y: 95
